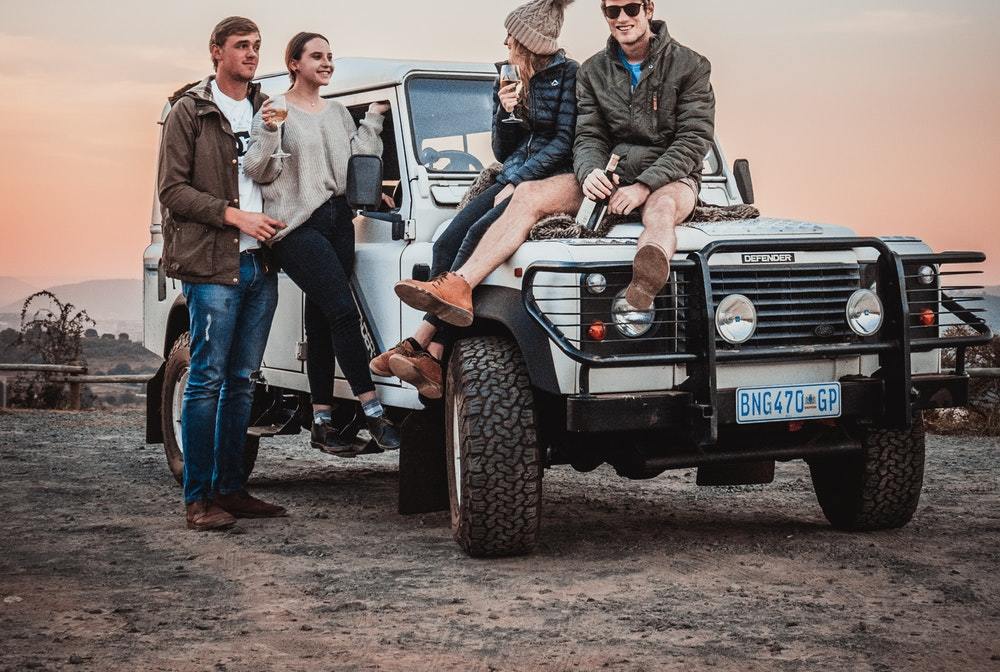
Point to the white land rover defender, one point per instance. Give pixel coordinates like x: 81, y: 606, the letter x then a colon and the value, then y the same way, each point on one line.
x: 774, y: 340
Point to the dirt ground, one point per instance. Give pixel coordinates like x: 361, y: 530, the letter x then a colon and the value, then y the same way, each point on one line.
x: 97, y: 571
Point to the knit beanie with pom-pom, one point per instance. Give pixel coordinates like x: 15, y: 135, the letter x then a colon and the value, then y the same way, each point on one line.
x: 536, y: 25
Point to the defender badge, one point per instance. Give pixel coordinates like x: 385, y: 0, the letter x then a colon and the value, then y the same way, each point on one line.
x: 769, y: 258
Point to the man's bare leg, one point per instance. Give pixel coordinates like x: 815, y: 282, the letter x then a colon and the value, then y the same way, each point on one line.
x: 449, y: 296
x: 531, y: 202
x: 665, y: 208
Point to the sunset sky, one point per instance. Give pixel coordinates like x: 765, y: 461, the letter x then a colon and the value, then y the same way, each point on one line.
x: 883, y: 116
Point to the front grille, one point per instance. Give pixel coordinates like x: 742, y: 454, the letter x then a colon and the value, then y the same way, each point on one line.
x: 796, y: 305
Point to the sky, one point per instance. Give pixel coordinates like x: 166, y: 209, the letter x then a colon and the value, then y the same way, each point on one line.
x: 881, y: 116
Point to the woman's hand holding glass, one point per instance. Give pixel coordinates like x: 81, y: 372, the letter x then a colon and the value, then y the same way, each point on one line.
x: 509, y: 97
x: 510, y: 76
x: 273, y: 113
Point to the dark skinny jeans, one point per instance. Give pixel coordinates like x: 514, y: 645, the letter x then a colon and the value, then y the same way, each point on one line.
x: 319, y: 257
x: 456, y: 244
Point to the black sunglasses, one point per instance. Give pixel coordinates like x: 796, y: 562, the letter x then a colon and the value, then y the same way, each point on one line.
x: 631, y: 9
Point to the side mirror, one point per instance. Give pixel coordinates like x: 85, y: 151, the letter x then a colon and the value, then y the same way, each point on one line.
x: 744, y: 182
x: 364, y: 182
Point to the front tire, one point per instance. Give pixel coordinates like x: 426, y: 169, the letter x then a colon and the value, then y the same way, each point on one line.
x: 493, y: 457
x: 175, y: 374
x: 877, y: 489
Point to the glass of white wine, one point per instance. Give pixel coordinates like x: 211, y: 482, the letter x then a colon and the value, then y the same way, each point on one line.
x: 511, y: 74
x: 279, y: 112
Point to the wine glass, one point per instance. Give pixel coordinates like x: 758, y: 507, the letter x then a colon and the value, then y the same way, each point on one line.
x: 511, y: 74
x: 279, y: 109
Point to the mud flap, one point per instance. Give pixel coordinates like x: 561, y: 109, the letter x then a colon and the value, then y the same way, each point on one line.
x: 154, y: 409
x: 423, y: 475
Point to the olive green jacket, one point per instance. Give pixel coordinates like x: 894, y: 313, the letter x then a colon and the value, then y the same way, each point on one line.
x: 662, y: 130
x: 197, y: 180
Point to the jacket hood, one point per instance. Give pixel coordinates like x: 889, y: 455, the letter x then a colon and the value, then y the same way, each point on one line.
x: 658, y: 43
x: 201, y: 92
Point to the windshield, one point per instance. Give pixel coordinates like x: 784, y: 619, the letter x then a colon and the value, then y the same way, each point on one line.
x: 452, y: 123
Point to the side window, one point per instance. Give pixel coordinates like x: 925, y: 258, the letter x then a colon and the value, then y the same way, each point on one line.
x: 390, y: 153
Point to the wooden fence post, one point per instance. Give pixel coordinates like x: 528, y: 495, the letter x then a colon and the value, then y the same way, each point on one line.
x: 74, y: 396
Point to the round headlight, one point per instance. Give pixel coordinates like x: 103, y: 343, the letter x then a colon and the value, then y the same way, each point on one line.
x: 927, y: 275
x: 864, y: 312
x: 596, y: 283
x: 736, y: 319
x: 630, y: 321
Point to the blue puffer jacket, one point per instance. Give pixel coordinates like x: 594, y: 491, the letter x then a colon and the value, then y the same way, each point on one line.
x: 543, y: 147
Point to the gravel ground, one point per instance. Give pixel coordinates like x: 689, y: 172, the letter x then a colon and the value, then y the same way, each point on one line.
x: 97, y: 571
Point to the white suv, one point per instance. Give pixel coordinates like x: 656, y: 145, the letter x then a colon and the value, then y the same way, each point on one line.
x: 774, y: 340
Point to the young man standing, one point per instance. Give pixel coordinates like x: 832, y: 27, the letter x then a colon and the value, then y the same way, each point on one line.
x: 212, y: 229
x: 646, y: 98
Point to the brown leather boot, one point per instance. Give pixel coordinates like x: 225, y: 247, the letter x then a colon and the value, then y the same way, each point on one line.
x: 242, y: 505
x: 380, y: 365
x: 448, y: 296
x: 202, y: 516
x: 420, y: 370
x: 650, y: 271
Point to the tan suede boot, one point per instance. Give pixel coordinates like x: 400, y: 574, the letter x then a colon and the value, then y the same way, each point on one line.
x: 650, y: 272
x: 420, y: 370
x: 448, y: 296
x: 380, y: 365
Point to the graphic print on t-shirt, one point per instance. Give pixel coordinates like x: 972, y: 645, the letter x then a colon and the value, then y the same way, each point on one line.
x: 242, y: 144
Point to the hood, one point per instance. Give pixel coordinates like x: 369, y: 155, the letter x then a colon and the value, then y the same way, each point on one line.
x: 697, y: 235
x: 201, y: 92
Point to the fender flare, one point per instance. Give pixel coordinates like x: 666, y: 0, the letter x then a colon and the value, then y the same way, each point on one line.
x: 503, y: 305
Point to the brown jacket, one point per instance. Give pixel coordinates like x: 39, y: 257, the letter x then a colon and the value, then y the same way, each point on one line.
x: 662, y: 130
x: 197, y: 181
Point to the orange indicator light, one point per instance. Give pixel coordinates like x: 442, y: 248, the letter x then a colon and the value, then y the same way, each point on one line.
x: 927, y: 317
x: 597, y: 331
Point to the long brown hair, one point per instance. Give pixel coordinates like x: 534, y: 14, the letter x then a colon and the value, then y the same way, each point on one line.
x: 529, y: 62
x: 296, y: 46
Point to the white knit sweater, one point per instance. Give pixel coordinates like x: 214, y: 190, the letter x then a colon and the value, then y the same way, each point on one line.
x: 320, y: 145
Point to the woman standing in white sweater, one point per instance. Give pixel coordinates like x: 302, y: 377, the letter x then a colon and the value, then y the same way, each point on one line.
x: 316, y: 249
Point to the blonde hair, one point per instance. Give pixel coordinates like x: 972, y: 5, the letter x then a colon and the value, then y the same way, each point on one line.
x: 529, y: 62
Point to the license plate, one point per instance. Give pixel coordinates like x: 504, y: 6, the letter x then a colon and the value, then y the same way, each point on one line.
x: 787, y: 402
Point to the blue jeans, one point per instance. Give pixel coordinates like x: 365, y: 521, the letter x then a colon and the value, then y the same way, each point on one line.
x: 229, y: 329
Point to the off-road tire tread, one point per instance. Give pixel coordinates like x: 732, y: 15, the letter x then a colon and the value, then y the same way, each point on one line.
x: 879, y: 489
x: 501, y: 461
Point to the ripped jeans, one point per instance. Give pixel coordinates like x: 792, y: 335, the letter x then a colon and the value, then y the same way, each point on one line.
x: 229, y: 329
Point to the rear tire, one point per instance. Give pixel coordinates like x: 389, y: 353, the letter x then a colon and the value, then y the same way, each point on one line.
x: 878, y: 489
x: 174, y: 378
x: 493, y: 457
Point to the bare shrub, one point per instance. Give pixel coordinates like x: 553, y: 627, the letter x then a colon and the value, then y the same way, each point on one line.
x: 982, y: 416
x: 53, y: 332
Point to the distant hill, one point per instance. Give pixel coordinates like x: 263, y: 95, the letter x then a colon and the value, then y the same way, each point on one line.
x: 104, y: 300
x: 14, y: 291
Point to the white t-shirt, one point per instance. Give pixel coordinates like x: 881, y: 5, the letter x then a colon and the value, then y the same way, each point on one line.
x: 240, y: 116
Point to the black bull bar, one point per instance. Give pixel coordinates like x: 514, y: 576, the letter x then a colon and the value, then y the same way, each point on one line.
x: 700, y: 406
